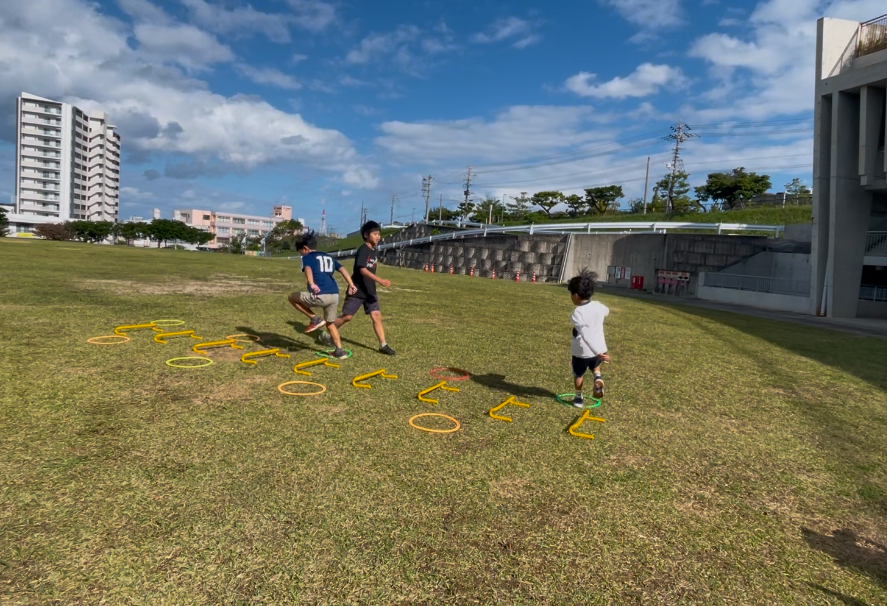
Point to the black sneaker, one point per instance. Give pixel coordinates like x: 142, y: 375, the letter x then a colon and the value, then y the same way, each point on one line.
x: 578, y: 401
x: 316, y: 322
x: 385, y: 349
x: 340, y: 354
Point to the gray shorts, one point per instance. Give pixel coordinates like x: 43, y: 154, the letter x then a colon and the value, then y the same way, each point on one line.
x: 352, y: 304
x: 329, y: 303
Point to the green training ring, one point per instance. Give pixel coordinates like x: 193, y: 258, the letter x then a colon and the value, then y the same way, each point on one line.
x: 326, y: 354
x: 561, y: 397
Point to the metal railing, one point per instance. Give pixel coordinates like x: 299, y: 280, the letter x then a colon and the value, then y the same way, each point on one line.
x: 627, y: 227
x: 872, y: 36
x: 778, y: 286
x: 876, y: 244
x: 873, y: 293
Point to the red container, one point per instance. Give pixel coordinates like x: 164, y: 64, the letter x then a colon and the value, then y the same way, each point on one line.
x: 637, y: 282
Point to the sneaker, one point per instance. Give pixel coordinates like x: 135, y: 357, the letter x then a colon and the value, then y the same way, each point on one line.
x: 316, y: 322
x: 340, y: 354
x: 598, y: 392
x: 385, y: 349
x: 579, y: 401
x: 324, y: 338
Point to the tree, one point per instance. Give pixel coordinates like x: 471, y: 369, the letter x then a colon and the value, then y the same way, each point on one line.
x: 54, y: 231
x: 796, y: 190
x: 132, y: 231
x: 519, y: 207
x: 576, y: 204
x: 680, y: 201
x: 4, y: 223
x: 602, y: 199
x: 91, y: 231
x: 546, y: 200
x: 237, y: 244
x: 465, y: 209
x: 636, y: 205
x: 163, y: 230
x: 730, y: 189
x: 491, y: 207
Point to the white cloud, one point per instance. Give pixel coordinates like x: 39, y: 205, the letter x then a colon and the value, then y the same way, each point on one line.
x: 84, y: 58
x: 646, y: 80
x: 186, y: 45
x: 241, y: 20
x: 509, y: 28
x: 375, y: 46
x: 312, y: 14
x: 648, y: 15
x: 134, y: 193
x: 268, y: 75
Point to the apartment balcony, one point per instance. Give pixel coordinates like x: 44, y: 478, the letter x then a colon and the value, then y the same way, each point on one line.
x: 872, y: 36
x: 876, y: 248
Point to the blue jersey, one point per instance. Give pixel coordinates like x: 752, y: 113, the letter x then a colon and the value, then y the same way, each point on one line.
x: 322, y: 268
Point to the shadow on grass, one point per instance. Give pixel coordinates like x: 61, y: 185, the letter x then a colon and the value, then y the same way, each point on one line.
x: 851, y: 551
x: 498, y: 382
x: 272, y: 339
x: 302, y: 326
x: 846, y: 599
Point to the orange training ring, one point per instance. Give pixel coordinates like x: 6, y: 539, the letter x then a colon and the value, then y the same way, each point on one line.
x: 465, y: 373
x: 434, y: 414
x: 289, y: 393
x: 94, y: 342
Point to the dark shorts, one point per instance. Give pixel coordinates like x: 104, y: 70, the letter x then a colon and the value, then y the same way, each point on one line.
x: 580, y: 365
x: 352, y: 304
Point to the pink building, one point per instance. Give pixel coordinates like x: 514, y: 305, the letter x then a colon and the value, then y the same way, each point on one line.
x: 226, y: 225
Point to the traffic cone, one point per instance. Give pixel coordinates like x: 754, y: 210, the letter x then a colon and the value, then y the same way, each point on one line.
x: 517, y: 276
x: 534, y: 277
x: 493, y: 275
x: 451, y: 270
x: 426, y: 267
x: 432, y: 268
x: 472, y: 271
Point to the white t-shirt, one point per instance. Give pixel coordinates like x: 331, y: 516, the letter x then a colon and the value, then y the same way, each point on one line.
x: 588, y: 332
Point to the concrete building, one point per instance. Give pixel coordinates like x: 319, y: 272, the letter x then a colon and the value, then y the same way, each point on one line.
x: 67, y: 165
x: 225, y: 225
x: 849, y: 244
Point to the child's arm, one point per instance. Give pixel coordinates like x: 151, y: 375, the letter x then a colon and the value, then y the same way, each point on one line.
x: 309, y: 276
x: 368, y: 274
x: 351, y: 287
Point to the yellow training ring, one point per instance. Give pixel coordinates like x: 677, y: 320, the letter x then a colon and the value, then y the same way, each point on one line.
x: 434, y: 414
x: 208, y: 360
x: 249, y: 339
x: 289, y: 393
x: 94, y: 342
x: 160, y: 323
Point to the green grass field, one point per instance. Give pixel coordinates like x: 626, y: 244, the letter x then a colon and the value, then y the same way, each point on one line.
x: 760, y: 215
x: 742, y: 462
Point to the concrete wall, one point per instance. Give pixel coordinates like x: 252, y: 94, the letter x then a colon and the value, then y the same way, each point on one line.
x: 762, y: 300
x: 872, y: 309
x: 785, y: 266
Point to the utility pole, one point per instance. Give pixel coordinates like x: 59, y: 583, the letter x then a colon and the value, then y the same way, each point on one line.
x: 440, y: 209
x: 426, y: 193
x: 646, y: 184
x: 323, y: 223
x: 361, y: 214
x: 468, y: 186
x: 393, y: 198
x: 413, y: 216
x: 679, y: 134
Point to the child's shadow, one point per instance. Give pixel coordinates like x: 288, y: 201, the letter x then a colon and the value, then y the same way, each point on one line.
x: 272, y: 339
x: 498, y: 382
x: 301, y: 327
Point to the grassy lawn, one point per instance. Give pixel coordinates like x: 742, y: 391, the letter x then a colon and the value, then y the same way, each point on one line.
x: 742, y: 462
x: 762, y: 215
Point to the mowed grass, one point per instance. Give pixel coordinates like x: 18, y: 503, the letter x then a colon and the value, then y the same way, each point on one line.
x: 742, y: 461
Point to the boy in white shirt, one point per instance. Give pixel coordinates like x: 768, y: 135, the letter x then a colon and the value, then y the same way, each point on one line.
x: 589, y: 348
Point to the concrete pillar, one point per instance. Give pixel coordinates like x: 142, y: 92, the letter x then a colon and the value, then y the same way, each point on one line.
x: 822, y: 149
x: 850, y: 209
x: 871, y: 101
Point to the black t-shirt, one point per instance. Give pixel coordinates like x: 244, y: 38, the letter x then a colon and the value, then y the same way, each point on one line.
x: 366, y: 257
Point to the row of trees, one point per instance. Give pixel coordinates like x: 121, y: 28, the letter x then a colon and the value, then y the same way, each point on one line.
x: 726, y: 190
x: 4, y: 223
x: 160, y: 231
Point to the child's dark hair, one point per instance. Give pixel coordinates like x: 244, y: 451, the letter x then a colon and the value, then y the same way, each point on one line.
x: 368, y: 228
x: 582, y: 285
x: 307, y: 240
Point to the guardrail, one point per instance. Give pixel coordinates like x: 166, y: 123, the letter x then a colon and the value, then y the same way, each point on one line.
x: 873, y: 293
x: 626, y: 227
x: 778, y: 286
x: 876, y: 244
x: 872, y: 36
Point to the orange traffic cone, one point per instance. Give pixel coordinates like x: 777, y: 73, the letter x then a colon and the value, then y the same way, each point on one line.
x: 426, y: 267
x: 534, y: 277
x: 432, y: 268
x: 517, y: 276
x: 451, y: 270
x: 472, y: 271
x: 493, y: 275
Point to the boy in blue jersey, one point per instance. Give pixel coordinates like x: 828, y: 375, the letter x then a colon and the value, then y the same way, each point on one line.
x: 323, y: 291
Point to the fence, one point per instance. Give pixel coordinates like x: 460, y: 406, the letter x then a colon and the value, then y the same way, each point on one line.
x: 876, y: 244
x: 873, y: 293
x: 779, y: 286
x: 872, y: 36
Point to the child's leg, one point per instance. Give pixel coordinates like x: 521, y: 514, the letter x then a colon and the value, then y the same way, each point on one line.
x: 349, y: 308
x: 598, y: 391
x: 296, y: 299
x: 376, y: 317
x: 334, y: 333
x: 579, y: 368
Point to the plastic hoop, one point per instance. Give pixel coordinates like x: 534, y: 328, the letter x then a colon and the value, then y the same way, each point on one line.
x: 326, y: 354
x: 434, y: 414
x: 249, y: 338
x: 93, y: 340
x: 161, y: 323
x: 465, y: 374
x: 289, y: 393
x: 560, y: 398
x: 209, y: 360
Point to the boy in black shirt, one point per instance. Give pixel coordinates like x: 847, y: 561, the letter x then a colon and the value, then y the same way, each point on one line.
x: 364, y: 278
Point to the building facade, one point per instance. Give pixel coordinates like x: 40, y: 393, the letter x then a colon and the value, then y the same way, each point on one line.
x: 225, y: 225
x: 67, y: 165
x: 849, y: 247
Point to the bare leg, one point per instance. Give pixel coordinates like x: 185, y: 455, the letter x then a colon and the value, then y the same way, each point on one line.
x: 342, y: 320
x: 376, y: 317
x: 334, y: 333
x: 305, y: 310
x: 578, y: 383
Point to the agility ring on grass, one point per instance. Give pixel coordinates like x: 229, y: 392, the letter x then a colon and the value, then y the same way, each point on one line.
x: 94, y: 342
x: 206, y: 362
x: 567, y: 398
x: 249, y: 338
x: 167, y: 322
x: 281, y: 389
x: 328, y: 353
x: 434, y: 414
x: 465, y: 374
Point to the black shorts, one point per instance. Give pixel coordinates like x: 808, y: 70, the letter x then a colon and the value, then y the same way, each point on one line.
x: 352, y: 304
x: 580, y: 365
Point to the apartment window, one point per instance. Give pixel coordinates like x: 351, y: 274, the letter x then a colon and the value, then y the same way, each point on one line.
x: 237, y: 232
x: 268, y: 223
x: 223, y: 230
x: 222, y: 240
x: 239, y: 221
x: 223, y: 219
x: 253, y: 232
x: 253, y: 221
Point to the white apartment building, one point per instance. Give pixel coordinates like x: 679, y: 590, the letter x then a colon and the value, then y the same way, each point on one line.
x: 225, y: 225
x: 67, y: 165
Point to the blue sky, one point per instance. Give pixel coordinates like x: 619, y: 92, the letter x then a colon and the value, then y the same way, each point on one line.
x: 236, y: 106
